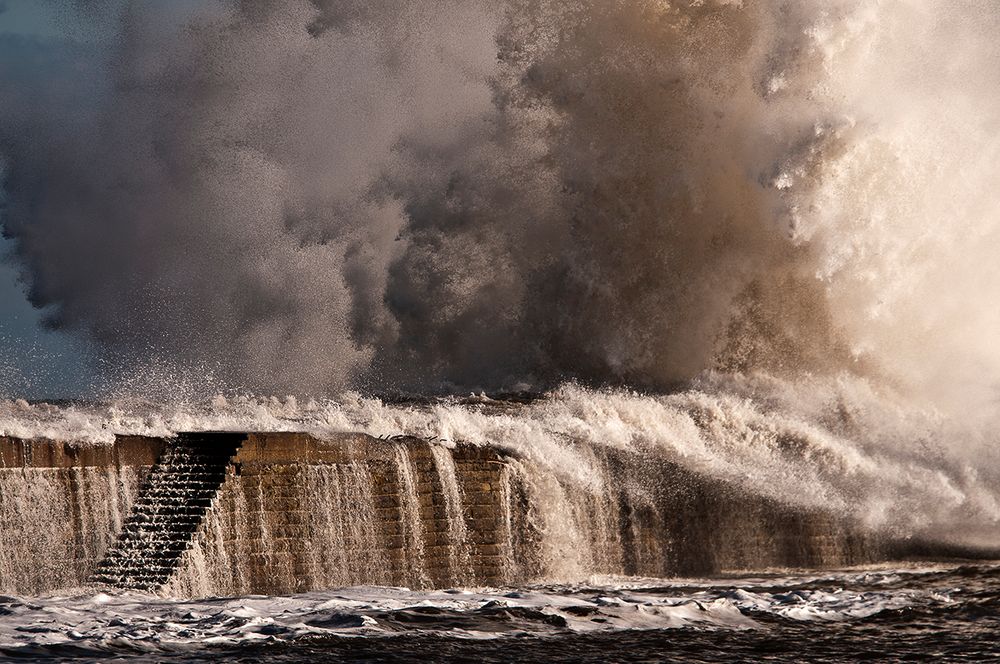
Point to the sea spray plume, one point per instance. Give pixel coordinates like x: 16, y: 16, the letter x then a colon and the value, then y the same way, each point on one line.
x: 206, y: 211
x: 310, y: 195
x: 662, y: 134
x: 623, y: 223
x: 902, y: 219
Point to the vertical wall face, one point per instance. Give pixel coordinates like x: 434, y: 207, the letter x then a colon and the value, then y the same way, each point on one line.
x: 61, y: 506
x: 656, y: 519
x: 297, y: 514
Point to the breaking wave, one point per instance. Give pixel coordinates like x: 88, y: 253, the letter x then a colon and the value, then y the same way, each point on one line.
x: 814, y: 444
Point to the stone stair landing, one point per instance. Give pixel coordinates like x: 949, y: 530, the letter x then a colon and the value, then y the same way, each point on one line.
x: 172, y: 505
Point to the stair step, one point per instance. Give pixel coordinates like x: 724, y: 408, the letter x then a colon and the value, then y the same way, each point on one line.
x: 176, y: 496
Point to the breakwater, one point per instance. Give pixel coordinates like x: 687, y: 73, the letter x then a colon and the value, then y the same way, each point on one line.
x: 287, y: 512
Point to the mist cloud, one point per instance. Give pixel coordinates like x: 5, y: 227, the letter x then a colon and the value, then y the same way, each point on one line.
x: 311, y: 196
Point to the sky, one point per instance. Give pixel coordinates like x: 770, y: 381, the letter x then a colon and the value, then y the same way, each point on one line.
x: 35, y: 363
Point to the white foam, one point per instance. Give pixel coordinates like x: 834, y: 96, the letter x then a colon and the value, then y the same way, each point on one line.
x: 833, y: 443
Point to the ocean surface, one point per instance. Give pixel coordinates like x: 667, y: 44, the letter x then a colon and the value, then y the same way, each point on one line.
x: 940, y: 612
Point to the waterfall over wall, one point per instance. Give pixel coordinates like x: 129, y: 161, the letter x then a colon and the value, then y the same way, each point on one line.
x: 295, y: 513
x: 298, y: 514
x: 61, y: 506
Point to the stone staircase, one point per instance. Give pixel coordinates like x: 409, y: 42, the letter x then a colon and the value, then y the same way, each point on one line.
x: 173, y: 502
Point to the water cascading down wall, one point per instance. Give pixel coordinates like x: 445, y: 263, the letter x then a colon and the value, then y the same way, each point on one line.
x: 234, y: 513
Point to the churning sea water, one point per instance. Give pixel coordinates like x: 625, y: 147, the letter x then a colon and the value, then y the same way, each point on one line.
x: 944, y: 612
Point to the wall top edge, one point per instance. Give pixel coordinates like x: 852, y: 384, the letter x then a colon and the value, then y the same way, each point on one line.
x: 258, y: 448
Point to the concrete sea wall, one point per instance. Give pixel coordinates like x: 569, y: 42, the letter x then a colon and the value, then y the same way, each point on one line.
x: 293, y: 513
x: 62, y: 505
x: 297, y: 514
